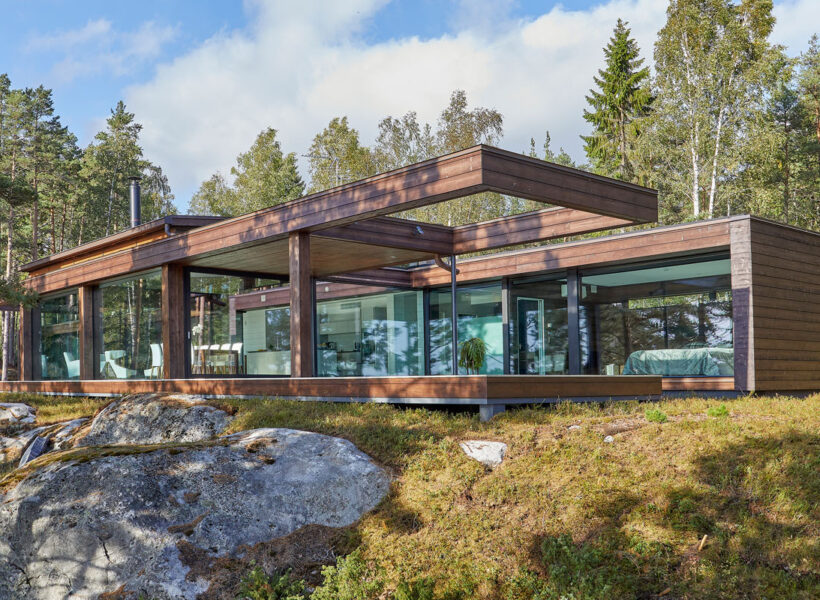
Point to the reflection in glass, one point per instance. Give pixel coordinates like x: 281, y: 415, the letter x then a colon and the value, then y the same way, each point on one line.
x: 479, y: 315
x: 59, y: 344
x: 129, y: 338
x: 266, y: 337
x: 216, y: 327
x: 673, y: 320
x: 375, y: 335
x: 538, y: 327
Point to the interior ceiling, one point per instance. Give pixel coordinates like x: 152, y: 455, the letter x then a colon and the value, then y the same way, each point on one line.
x: 327, y: 257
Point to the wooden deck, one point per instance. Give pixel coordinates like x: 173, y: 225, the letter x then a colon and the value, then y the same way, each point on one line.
x: 487, y: 391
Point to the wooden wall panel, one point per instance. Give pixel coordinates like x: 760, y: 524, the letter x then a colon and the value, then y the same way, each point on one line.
x: 173, y: 322
x: 742, y: 305
x: 785, y: 275
x: 85, y: 296
x: 301, y: 306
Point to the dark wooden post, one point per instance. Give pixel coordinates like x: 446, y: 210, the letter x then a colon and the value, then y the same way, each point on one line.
x: 173, y: 322
x: 301, y: 305
x: 26, y: 358
x: 86, y: 301
x: 573, y: 322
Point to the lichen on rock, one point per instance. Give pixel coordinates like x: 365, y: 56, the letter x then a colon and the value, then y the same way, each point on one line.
x: 81, y: 528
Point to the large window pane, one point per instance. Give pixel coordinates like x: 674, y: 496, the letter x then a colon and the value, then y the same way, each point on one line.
x: 59, y: 343
x: 539, y: 327
x: 375, y: 335
x: 216, y: 327
x: 672, y: 320
x: 479, y: 315
x: 129, y: 318
x: 266, y: 337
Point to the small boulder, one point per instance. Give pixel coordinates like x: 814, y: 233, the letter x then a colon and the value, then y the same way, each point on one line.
x: 13, y: 413
x: 489, y: 454
x: 155, y: 419
x: 609, y: 439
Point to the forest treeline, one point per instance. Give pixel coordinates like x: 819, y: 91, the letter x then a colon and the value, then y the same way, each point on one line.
x: 725, y: 122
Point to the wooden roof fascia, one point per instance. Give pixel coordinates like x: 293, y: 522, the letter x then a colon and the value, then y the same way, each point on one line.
x: 177, y: 222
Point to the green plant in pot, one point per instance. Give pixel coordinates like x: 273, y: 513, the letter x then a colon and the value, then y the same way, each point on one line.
x: 472, y: 354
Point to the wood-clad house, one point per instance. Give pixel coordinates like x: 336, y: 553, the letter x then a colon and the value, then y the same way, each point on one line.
x: 334, y: 297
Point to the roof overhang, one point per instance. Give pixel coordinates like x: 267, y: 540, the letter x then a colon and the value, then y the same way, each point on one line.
x: 352, y: 231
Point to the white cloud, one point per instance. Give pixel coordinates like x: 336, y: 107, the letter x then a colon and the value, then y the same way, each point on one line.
x: 98, y: 48
x: 301, y: 64
x: 797, y: 21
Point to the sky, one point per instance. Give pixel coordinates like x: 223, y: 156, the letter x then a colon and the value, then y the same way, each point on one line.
x: 204, y: 78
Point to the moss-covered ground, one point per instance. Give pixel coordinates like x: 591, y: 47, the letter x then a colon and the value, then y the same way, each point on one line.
x: 719, y: 499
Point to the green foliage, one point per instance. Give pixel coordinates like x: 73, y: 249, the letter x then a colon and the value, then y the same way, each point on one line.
x: 257, y: 585
x: 337, y: 157
x: 419, y: 589
x: 718, y: 411
x: 350, y: 579
x: 655, y: 415
x: 621, y: 100
x: 472, y: 354
x: 263, y: 176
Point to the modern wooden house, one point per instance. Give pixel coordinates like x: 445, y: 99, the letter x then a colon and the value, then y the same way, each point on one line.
x: 330, y: 297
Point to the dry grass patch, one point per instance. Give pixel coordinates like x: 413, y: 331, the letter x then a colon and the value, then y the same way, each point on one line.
x: 569, y: 515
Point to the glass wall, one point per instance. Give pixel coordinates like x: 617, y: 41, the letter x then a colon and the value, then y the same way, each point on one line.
x: 375, y: 335
x: 128, y: 321
x: 59, y: 333
x: 479, y: 315
x: 216, y: 328
x: 266, y: 340
x: 671, y: 320
x: 539, y: 332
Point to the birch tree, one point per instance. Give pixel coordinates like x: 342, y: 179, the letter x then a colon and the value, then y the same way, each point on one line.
x: 710, y: 58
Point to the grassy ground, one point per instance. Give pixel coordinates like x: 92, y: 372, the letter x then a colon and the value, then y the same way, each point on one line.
x: 568, y: 515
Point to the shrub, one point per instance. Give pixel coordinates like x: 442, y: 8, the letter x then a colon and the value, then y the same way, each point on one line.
x: 257, y: 585
x: 350, y: 579
x: 718, y: 411
x: 655, y: 415
x: 420, y: 589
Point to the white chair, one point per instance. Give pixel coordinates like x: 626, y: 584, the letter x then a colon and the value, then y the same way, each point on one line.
x: 155, y: 370
x: 72, y: 366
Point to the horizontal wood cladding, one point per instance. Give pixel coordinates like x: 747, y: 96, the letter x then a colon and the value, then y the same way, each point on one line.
x: 342, y: 213
x: 698, y: 384
x: 525, y: 177
x: 786, y: 298
x: 469, y: 389
x: 529, y: 227
x: 643, y: 245
x: 130, y: 238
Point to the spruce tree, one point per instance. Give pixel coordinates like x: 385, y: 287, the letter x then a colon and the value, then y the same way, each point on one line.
x: 622, y: 97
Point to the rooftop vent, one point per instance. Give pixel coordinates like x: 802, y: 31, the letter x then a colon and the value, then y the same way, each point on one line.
x: 134, y: 195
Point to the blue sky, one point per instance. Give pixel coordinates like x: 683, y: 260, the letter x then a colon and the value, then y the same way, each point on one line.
x: 205, y: 77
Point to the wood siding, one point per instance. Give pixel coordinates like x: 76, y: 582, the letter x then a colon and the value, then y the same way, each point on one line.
x: 463, y: 389
x: 786, y: 307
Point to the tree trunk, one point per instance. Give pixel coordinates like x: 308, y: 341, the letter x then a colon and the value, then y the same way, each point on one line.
x: 786, y: 174
x: 713, y: 187
x: 695, y: 171
x: 4, y: 372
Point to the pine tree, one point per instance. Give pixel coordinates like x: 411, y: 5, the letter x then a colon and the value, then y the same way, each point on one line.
x: 622, y: 98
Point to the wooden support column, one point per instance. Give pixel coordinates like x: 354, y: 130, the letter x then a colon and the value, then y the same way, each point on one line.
x: 173, y: 322
x: 301, y: 305
x: 85, y: 296
x: 573, y: 322
x: 26, y: 358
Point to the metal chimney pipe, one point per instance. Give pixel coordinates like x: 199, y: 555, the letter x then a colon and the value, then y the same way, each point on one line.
x: 134, y: 195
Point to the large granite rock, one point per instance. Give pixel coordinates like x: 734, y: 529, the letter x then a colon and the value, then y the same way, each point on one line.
x: 13, y: 413
x: 155, y: 419
x: 85, y: 522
